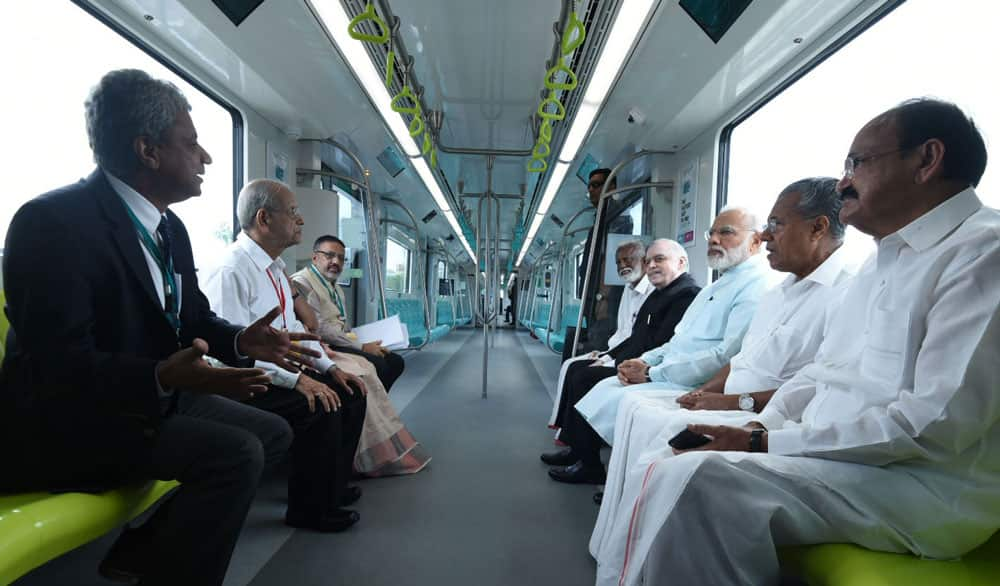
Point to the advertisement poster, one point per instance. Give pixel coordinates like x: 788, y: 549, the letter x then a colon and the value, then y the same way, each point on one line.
x: 688, y: 201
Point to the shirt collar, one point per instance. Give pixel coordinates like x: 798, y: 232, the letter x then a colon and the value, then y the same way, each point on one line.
x: 260, y: 258
x: 827, y: 272
x: 641, y: 286
x: 143, y: 209
x: 930, y: 228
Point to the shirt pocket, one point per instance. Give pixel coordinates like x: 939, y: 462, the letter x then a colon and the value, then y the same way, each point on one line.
x: 778, y: 351
x: 885, y: 340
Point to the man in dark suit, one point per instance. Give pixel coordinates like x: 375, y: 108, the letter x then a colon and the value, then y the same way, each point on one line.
x: 666, y: 265
x: 104, y: 380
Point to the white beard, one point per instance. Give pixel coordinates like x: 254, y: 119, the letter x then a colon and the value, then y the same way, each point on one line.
x: 730, y: 257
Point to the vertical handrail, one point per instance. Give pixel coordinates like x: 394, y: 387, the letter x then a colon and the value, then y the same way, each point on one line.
x: 420, y: 270
x: 595, y: 231
x: 368, y: 204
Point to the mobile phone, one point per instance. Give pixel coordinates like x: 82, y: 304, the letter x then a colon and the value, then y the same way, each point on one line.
x: 687, y: 439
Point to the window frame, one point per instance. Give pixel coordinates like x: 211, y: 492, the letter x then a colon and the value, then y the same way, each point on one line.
x: 407, y: 278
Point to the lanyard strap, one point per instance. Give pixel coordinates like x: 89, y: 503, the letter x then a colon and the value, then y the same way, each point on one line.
x: 331, y: 290
x: 166, y: 266
x: 281, y: 297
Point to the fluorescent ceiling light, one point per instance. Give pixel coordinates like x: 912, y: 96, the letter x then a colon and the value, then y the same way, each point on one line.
x: 624, y: 32
x: 333, y: 17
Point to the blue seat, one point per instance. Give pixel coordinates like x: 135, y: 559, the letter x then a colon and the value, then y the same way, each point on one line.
x: 411, y: 313
x: 568, y: 319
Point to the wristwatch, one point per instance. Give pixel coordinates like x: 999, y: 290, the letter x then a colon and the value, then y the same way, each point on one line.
x: 747, y: 402
x: 755, y: 440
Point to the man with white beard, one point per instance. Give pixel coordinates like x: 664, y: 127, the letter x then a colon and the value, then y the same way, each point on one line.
x: 710, y: 333
x: 631, y: 268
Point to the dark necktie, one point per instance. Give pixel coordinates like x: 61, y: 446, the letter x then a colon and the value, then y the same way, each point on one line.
x: 166, y: 240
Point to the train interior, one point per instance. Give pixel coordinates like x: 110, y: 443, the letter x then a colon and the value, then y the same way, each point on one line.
x: 449, y: 144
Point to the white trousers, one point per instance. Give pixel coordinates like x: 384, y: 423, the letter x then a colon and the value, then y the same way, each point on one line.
x: 718, y: 517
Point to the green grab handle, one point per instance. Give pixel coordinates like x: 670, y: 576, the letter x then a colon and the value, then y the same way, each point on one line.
x: 560, y: 112
x: 568, y: 43
x: 545, y: 130
x: 434, y: 159
x: 537, y: 153
x: 368, y: 14
x: 416, y: 125
x: 532, y: 168
x: 427, y: 143
x: 568, y: 85
x: 390, y: 68
x: 406, y: 93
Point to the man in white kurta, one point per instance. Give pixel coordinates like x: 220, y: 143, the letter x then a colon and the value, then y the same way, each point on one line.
x: 804, y: 238
x: 710, y: 333
x: 890, y: 438
x: 631, y: 268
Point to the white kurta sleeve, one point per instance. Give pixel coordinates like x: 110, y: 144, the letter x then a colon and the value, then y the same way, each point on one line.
x: 955, y: 396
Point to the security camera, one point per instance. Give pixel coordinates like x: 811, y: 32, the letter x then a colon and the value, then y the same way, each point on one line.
x: 635, y: 116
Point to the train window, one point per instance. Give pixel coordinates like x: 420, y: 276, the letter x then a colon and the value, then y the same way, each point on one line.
x: 635, y: 212
x: 442, y: 270
x: 806, y: 129
x: 61, y: 53
x: 397, y: 266
x: 350, y: 221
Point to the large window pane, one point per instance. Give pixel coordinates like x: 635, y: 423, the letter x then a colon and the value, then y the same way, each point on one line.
x: 55, y: 53
x: 397, y: 262
x: 923, y: 48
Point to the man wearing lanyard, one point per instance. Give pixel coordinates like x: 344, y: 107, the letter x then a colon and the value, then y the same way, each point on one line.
x: 104, y: 381
x: 250, y: 279
x: 318, y: 282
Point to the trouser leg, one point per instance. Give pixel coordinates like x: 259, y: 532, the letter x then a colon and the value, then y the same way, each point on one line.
x: 219, y: 465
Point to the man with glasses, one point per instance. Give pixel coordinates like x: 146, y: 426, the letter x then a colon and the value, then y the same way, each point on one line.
x: 803, y: 237
x: 324, y: 404
x: 708, y: 335
x: 318, y: 282
x: 889, y: 439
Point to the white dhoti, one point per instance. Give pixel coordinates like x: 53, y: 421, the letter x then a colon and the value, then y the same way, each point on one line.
x: 600, y: 406
x: 717, y: 517
x: 645, y: 423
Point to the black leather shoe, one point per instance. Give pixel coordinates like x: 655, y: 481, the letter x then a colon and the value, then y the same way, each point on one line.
x: 127, y: 559
x: 560, y: 458
x: 350, y: 496
x: 578, y: 474
x: 334, y: 522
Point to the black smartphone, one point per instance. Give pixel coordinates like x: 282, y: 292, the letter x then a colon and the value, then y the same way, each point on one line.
x: 687, y: 439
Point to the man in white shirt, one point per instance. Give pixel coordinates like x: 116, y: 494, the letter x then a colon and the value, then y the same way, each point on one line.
x: 890, y: 438
x: 247, y: 282
x: 803, y: 237
x: 629, y: 259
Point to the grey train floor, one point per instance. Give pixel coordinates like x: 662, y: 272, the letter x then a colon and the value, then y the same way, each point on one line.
x: 483, y: 513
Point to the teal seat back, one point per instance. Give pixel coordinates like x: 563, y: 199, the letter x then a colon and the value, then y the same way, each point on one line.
x: 410, y: 311
x: 444, y: 312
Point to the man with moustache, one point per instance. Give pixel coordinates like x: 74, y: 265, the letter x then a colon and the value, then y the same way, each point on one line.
x: 675, y: 290
x: 709, y: 334
x: 251, y: 277
x: 104, y: 378
x: 889, y: 439
x: 629, y: 260
x: 803, y: 237
x: 318, y: 282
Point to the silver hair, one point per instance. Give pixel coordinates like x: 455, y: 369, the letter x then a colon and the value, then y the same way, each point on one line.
x: 753, y: 219
x: 818, y: 197
x: 259, y: 194
x: 674, y: 248
x: 124, y: 105
x: 635, y: 245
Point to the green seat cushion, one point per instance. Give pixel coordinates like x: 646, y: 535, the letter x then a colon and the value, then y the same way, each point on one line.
x: 839, y: 564
x: 37, y: 527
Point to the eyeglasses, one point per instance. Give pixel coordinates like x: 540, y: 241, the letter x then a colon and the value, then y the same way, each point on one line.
x: 596, y: 184
x: 329, y: 255
x: 658, y: 259
x: 773, y: 226
x: 725, y: 232
x: 851, y: 162
x: 293, y: 212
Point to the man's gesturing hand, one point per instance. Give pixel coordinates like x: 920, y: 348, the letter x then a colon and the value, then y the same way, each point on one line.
x: 187, y: 369
x: 260, y: 341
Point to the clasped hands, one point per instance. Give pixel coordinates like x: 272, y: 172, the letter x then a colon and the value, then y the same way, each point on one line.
x: 187, y: 369
x: 633, y: 372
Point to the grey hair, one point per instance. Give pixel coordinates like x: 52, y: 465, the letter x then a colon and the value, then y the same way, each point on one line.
x: 259, y: 194
x: 753, y: 219
x: 818, y: 197
x: 124, y: 105
x: 674, y: 248
x: 635, y: 245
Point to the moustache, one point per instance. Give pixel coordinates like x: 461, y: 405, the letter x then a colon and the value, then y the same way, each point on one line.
x: 718, y: 249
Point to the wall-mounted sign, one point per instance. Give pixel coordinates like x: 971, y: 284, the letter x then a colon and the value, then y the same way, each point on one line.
x: 686, y: 218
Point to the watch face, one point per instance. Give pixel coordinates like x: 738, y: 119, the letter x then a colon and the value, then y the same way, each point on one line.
x: 746, y: 402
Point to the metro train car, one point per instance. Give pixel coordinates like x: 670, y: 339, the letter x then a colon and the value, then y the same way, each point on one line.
x: 298, y: 292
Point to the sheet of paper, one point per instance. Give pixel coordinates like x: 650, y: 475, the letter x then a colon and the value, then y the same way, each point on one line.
x: 390, y: 330
x: 406, y: 340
